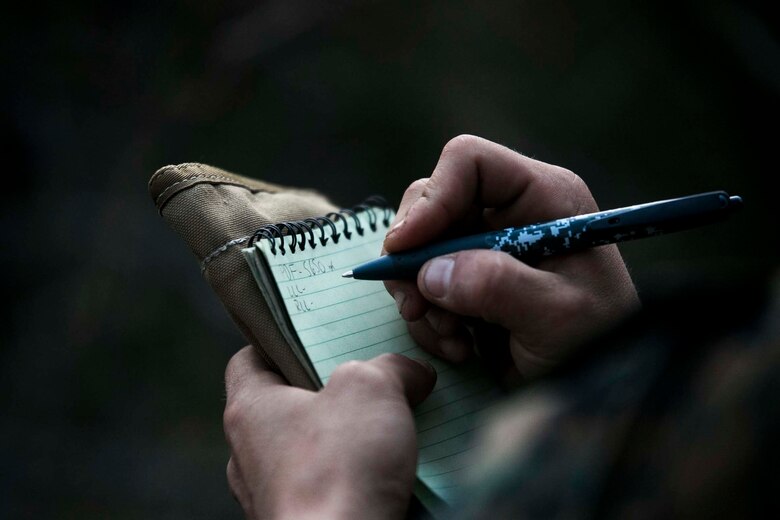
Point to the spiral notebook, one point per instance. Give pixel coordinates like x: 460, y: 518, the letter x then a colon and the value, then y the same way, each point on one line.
x: 328, y: 319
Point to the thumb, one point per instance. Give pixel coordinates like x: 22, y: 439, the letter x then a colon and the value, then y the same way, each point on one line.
x: 387, y: 375
x: 416, y: 377
x: 491, y: 285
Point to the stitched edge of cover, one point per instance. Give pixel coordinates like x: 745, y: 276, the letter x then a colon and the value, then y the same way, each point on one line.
x: 165, y: 169
x: 199, y: 176
x: 221, y: 249
x: 165, y: 196
x: 197, y: 181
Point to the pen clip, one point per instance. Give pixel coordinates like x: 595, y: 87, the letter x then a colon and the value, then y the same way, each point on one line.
x: 669, y: 214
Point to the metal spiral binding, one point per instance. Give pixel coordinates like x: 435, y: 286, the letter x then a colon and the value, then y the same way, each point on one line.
x: 301, y: 233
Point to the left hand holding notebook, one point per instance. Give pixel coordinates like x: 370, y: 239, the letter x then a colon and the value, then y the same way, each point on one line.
x: 341, y: 452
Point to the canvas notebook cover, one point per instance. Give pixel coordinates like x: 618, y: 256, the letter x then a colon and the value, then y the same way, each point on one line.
x: 328, y: 319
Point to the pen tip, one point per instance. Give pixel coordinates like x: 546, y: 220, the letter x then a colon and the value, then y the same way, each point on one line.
x: 348, y: 274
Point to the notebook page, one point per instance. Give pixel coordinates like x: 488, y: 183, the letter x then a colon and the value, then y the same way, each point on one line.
x: 339, y: 319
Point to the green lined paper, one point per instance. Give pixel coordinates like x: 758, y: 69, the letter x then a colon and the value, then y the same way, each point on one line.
x: 328, y: 319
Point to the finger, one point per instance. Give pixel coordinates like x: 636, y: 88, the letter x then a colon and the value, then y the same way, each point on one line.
x: 442, y: 334
x: 493, y: 286
x: 472, y: 171
x: 411, y: 194
x: 237, y: 487
x: 410, y: 303
x: 389, y: 376
x: 234, y: 480
x: 417, y: 377
x: 246, y: 372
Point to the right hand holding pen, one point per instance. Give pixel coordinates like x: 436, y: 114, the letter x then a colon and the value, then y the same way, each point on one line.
x: 478, y: 186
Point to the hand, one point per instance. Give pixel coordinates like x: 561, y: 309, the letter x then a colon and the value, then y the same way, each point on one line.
x: 478, y: 186
x: 347, y: 451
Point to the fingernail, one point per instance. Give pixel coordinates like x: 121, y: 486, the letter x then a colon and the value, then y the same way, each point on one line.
x: 396, y: 227
x: 427, y: 364
x: 437, y: 276
x: 400, y: 298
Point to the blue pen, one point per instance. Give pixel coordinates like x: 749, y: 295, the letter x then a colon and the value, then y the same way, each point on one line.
x: 534, y: 242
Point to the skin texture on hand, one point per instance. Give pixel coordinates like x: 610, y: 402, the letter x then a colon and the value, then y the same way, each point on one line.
x: 347, y: 451
x: 547, y: 309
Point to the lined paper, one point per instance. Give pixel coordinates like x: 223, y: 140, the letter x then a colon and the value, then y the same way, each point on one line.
x: 335, y: 319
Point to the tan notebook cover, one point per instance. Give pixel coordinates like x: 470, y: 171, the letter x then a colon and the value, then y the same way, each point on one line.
x: 215, y: 212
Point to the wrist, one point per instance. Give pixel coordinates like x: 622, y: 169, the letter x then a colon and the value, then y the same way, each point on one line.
x: 334, y: 507
x: 344, y: 502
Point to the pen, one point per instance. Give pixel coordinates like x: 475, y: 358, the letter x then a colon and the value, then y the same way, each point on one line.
x: 536, y: 241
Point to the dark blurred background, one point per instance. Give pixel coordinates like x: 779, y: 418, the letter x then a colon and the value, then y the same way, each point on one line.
x: 114, y: 347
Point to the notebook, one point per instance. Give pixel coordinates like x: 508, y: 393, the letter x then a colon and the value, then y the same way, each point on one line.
x: 328, y: 319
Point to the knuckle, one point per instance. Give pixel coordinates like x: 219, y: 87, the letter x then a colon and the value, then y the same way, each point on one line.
x: 346, y: 370
x: 362, y: 374
x: 459, y: 144
x: 231, y: 473
x: 233, y: 416
x: 586, y: 202
x: 387, y: 357
x: 233, y: 369
x: 417, y: 186
x: 576, y: 192
x: 231, y: 366
x: 234, y: 480
x: 564, y: 172
x: 414, y: 190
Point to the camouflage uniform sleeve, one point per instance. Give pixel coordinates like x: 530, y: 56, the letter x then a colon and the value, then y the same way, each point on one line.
x: 674, y: 414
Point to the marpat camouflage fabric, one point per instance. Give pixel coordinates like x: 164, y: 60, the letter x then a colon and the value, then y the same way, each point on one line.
x: 676, y: 414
